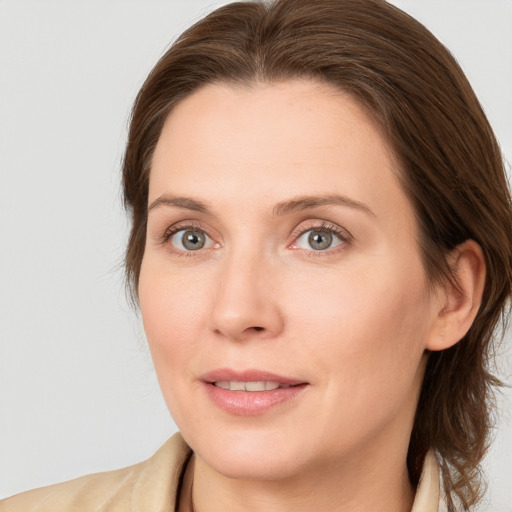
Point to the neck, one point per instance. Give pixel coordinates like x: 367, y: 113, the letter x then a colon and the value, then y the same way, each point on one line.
x: 363, y: 484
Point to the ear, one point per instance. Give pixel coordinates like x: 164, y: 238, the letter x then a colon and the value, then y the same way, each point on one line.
x: 458, y: 305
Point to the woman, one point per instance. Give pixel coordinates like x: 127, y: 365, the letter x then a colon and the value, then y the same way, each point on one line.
x: 321, y: 251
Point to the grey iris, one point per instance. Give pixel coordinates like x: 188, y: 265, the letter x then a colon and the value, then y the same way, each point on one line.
x: 193, y: 240
x: 319, y: 240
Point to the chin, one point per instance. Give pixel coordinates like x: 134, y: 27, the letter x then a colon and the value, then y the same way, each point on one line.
x: 248, y: 454
x: 260, y: 466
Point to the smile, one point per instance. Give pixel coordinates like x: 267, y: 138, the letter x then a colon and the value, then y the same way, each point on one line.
x: 251, y: 392
x: 236, y: 385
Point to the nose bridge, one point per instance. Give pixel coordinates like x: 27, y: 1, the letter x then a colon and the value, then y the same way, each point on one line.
x: 246, y: 302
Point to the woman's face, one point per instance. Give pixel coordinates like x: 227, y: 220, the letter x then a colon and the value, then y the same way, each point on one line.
x: 282, y: 291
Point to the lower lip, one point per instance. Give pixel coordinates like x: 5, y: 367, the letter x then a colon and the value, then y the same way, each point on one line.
x: 251, y: 403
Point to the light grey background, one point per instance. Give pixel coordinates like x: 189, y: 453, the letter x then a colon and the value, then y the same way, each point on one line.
x: 77, y: 388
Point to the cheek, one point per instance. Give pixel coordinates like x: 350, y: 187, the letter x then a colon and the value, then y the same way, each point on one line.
x: 173, y: 315
x: 366, y: 299
x: 365, y: 339
x: 173, y: 311
x: 366, y: 328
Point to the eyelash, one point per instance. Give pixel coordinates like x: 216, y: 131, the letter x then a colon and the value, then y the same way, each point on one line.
x: 344, y: 236
x: 172, y: 230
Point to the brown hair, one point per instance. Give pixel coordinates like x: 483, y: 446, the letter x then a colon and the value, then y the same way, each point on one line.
x: 451, y: 169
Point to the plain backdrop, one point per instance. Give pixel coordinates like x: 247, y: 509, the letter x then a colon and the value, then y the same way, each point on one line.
x: 77, y: 389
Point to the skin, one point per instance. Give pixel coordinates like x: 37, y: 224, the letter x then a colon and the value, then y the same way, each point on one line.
x: 354, y: 320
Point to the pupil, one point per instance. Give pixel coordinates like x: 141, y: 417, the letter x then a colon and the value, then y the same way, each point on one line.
x: 193, y: 240
x: 319, y: 240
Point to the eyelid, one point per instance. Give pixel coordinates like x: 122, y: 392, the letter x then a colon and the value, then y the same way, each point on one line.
x: 321, y: 225
x: 184, y: 225
x: 178, y: 244
x: 180, y: 226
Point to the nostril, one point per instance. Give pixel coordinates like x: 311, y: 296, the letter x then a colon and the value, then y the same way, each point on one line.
x: 258, y: 328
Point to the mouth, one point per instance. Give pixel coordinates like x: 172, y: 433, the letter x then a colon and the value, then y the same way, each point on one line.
x: 249, y: 380
x: 252, y: 392
x: 259, y: 385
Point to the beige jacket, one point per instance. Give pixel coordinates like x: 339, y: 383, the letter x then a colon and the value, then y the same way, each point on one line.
x: 152, y: 486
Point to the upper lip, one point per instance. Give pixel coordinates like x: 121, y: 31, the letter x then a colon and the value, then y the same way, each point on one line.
x: 251, y: 375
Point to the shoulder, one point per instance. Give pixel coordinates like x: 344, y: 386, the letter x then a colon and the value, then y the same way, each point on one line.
x: 91, y: 492
x: 149, y: 485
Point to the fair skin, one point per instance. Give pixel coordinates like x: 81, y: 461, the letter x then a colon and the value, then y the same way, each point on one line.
x: 280, y: 241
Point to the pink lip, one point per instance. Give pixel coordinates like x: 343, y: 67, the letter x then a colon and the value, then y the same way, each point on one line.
x: 248, y: 375
x: 250, y: 403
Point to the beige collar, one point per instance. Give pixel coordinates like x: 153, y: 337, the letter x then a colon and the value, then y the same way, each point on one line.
x: 428, y: 495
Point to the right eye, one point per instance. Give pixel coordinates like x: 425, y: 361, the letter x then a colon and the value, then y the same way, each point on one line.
x: 190, y: 239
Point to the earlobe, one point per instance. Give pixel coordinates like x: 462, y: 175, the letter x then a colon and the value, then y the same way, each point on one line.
x: 461, y: 298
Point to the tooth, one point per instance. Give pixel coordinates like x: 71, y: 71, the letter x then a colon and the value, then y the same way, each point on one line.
x: 255, y: 386
x: 237, y: 386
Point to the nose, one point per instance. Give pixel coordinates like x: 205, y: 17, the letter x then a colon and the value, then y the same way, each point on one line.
x: 246, y: 302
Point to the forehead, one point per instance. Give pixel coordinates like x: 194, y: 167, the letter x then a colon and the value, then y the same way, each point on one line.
x: 221, y: 116
x: 274, y: 140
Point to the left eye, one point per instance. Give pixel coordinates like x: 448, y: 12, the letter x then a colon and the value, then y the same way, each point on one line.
x: 190, y: 240
x: 318, y: 240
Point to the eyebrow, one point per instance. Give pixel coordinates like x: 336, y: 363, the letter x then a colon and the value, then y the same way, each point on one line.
x: 296, y: 204
x: 306, y: 202
x: 185, y: 203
